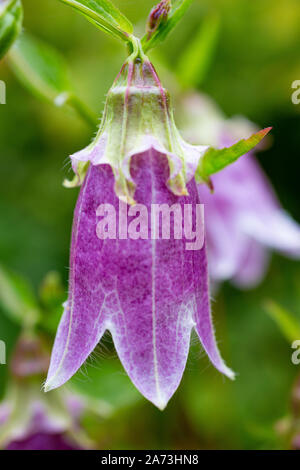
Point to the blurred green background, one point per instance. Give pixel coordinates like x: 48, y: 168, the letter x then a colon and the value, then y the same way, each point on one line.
x: 255, y: 63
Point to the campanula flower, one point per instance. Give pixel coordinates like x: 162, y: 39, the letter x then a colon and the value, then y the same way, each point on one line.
x: 243, y: 217
x: 149, y: 290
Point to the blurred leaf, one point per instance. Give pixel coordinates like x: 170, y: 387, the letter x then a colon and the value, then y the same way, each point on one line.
x: 107, y: 382
x: 197, y: 56
x: 176, y: 13
x: 104, y: 15
x: 288, y: 324
x: 52, y: 295
x: 52, y: 290
x: 17, y: 298
x: 215, y: 160
x: 43, y: 71
x: 11, y: 17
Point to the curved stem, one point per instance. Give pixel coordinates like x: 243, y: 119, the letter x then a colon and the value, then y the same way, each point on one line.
x: 83, y: 110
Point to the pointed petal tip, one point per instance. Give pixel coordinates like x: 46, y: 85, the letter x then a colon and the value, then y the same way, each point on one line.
x: 160, y: 403
x: 222, y: 367
x: 229, y: 373
x: 265, y: 131
x: 54, y: 381
x: 48, y: 386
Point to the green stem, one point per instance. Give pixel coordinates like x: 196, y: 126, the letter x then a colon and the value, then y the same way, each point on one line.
x: 98, y: 20
x: 83, y: 110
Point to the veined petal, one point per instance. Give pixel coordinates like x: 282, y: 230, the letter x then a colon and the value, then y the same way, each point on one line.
x: 83, y: 321
x: 152, y: 328
x: 172, y: 298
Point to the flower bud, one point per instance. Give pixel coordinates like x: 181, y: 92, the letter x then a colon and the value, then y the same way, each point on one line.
x: 158, y: 15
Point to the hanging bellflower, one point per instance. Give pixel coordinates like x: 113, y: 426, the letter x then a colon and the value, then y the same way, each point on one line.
x: 145, y: 284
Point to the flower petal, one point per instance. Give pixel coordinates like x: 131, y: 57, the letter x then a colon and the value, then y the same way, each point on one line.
x: 83, y: 321
x: 275, y: 229
x: 152, y: 328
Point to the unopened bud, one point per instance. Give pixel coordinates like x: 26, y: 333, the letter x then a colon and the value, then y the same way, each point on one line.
x: 158, y: 15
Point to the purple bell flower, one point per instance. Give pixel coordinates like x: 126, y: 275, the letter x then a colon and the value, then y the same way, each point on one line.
x: 149, y: 290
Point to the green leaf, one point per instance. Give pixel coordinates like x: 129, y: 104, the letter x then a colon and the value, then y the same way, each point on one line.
x: 42, y: 70
x: 197, y: 56
x: 11, y: 18
x: 17, y: 298
x: 104, y: 15
x: 287, y: 323
x: 176, y: 13
x: 215, y: 160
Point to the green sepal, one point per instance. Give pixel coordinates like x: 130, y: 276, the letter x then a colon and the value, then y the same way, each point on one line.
x: 138, y: 117
x: 78, y: 177
x: 215, y: 160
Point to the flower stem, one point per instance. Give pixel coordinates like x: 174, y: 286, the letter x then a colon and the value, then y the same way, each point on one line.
x: 83, y: 110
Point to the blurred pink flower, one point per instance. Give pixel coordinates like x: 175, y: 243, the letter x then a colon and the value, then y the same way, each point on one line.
x: 243, y: 217
x: 35, y: 424
x: 31, y: 420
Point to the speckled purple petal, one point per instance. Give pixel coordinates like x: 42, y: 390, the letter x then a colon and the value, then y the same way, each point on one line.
x: 148, y: 293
